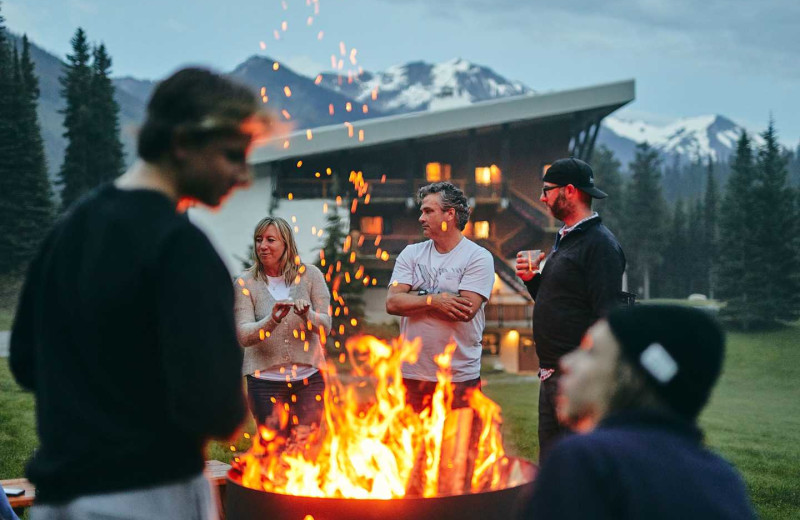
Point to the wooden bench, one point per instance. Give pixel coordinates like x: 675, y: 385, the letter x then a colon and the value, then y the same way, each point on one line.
x: 25, y: 499
x: 216, y: 472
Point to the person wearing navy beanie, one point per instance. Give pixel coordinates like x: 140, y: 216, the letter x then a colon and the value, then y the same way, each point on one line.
x: 633, y: 391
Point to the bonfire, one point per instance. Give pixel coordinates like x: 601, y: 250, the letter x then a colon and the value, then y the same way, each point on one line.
x: 372, y: 445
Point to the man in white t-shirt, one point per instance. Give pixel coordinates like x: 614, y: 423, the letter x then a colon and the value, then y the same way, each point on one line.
x: 440, y: 287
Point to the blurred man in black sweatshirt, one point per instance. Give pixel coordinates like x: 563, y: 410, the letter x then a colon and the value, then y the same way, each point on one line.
x: 125, y: 329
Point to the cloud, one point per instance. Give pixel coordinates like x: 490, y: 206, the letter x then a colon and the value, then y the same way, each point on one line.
x: 741, y: 36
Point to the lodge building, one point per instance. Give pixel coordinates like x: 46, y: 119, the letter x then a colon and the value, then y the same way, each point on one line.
x: 495, y: 151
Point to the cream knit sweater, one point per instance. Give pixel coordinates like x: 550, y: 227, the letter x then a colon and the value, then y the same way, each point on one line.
x: 296, y: 338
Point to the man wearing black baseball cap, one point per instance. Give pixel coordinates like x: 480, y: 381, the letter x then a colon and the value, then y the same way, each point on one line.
x: 580, y: 281
x: 635, y: 389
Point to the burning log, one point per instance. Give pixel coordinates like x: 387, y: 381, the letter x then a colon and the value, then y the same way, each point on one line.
x: 456, y: 444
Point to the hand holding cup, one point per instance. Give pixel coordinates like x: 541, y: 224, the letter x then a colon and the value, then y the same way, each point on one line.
x: 528, y: 263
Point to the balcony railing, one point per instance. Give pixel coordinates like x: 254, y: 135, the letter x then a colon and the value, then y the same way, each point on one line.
x: 391, y: 189
x: 508, y: 312
x: 494, y: 191
x: 458, y: 183
x: 306, y: 188
x: 388, y: 189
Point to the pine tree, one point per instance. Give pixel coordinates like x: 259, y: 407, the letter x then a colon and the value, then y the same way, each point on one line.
x: 645, y: 213
x: 710, y: 229
x: 9, y: 155
x: 106, y: 155
x: 35, y: 197
x: 738, y: 262
x: 775, y: 230
x: 346, y: 280
x: 693, y: 257
x: 74, y: 175
x: 672, y: 181
x: 674, y: 271
x: 794, y: 168
x: 609, y: 178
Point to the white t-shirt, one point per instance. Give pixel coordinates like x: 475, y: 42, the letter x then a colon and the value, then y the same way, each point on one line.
x: 280, y: 291
x: 467, y: 267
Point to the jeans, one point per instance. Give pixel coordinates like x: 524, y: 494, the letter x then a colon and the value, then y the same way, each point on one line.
x: 189, y: 499
x: 6, y: 513
x: 419, y: 393
x: 304, y: 407
x: 550, y: 430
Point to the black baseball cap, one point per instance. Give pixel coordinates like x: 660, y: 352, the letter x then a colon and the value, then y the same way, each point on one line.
x: 576, y: 172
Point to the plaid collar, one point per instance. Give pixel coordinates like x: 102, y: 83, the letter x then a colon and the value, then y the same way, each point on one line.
x: 565, y: 230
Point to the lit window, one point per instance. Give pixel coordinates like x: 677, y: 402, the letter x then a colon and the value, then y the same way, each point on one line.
x: 435, y: 172
x: 486, y: 175
x: 482, y: 229
x: 372, y: 225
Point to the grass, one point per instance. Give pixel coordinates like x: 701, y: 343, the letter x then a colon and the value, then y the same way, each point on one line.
x: 6, y: 319
x: 753, y: 419
x: 17, y: 425
x: 10, y: 286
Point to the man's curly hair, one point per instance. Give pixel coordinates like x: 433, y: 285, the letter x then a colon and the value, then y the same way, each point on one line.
x: 452, y: 197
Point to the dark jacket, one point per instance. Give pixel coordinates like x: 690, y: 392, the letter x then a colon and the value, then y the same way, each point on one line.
x: 581, y: 281
x: 638, y: 465
x: 125, y: 334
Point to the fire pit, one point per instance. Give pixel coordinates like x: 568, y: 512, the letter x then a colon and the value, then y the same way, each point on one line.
x: 375, y: 457
x: 248, y: 504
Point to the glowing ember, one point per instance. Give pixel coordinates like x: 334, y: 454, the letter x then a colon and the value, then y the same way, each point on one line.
x: 372, y: 445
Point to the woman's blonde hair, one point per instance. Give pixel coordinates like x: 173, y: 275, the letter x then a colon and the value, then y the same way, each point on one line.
x: 290, y: 259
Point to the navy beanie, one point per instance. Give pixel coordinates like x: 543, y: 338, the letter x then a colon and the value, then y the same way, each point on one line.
x: 679, y: 350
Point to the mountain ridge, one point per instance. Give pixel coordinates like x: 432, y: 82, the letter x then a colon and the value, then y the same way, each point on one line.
x: 415, y: 86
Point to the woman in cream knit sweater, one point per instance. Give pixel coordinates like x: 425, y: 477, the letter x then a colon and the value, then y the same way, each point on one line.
x: 281, y: 307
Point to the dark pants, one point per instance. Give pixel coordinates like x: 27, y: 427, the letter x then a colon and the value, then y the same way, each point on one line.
x: 420, y: 393
x: 550, y: 430
x: 304, y: 407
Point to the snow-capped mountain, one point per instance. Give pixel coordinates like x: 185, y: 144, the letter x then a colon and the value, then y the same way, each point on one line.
x: 409, y: 87
x: 690, y: 138
x: 419, y: 85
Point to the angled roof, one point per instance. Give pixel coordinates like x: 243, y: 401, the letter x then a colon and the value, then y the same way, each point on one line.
x: 417, y: 125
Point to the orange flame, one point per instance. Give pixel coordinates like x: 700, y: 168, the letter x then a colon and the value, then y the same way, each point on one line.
x: 373, y: 445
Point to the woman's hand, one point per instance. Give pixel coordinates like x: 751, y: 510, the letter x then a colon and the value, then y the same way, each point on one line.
x: 301, y: 306
x: 280, y: 310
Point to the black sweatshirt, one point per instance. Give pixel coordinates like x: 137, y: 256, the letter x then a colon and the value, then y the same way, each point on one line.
x: 637, y: 464
x: 125, y: 334
x: 581, y: 281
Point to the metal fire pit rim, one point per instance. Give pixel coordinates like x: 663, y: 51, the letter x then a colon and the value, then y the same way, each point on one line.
x: 532, y: 469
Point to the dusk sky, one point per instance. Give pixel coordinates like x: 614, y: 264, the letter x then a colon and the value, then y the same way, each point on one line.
x: 736, y: 58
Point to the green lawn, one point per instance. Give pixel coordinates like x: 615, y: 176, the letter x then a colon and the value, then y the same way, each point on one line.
x: 6, y: 319
x: 753, y: 419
